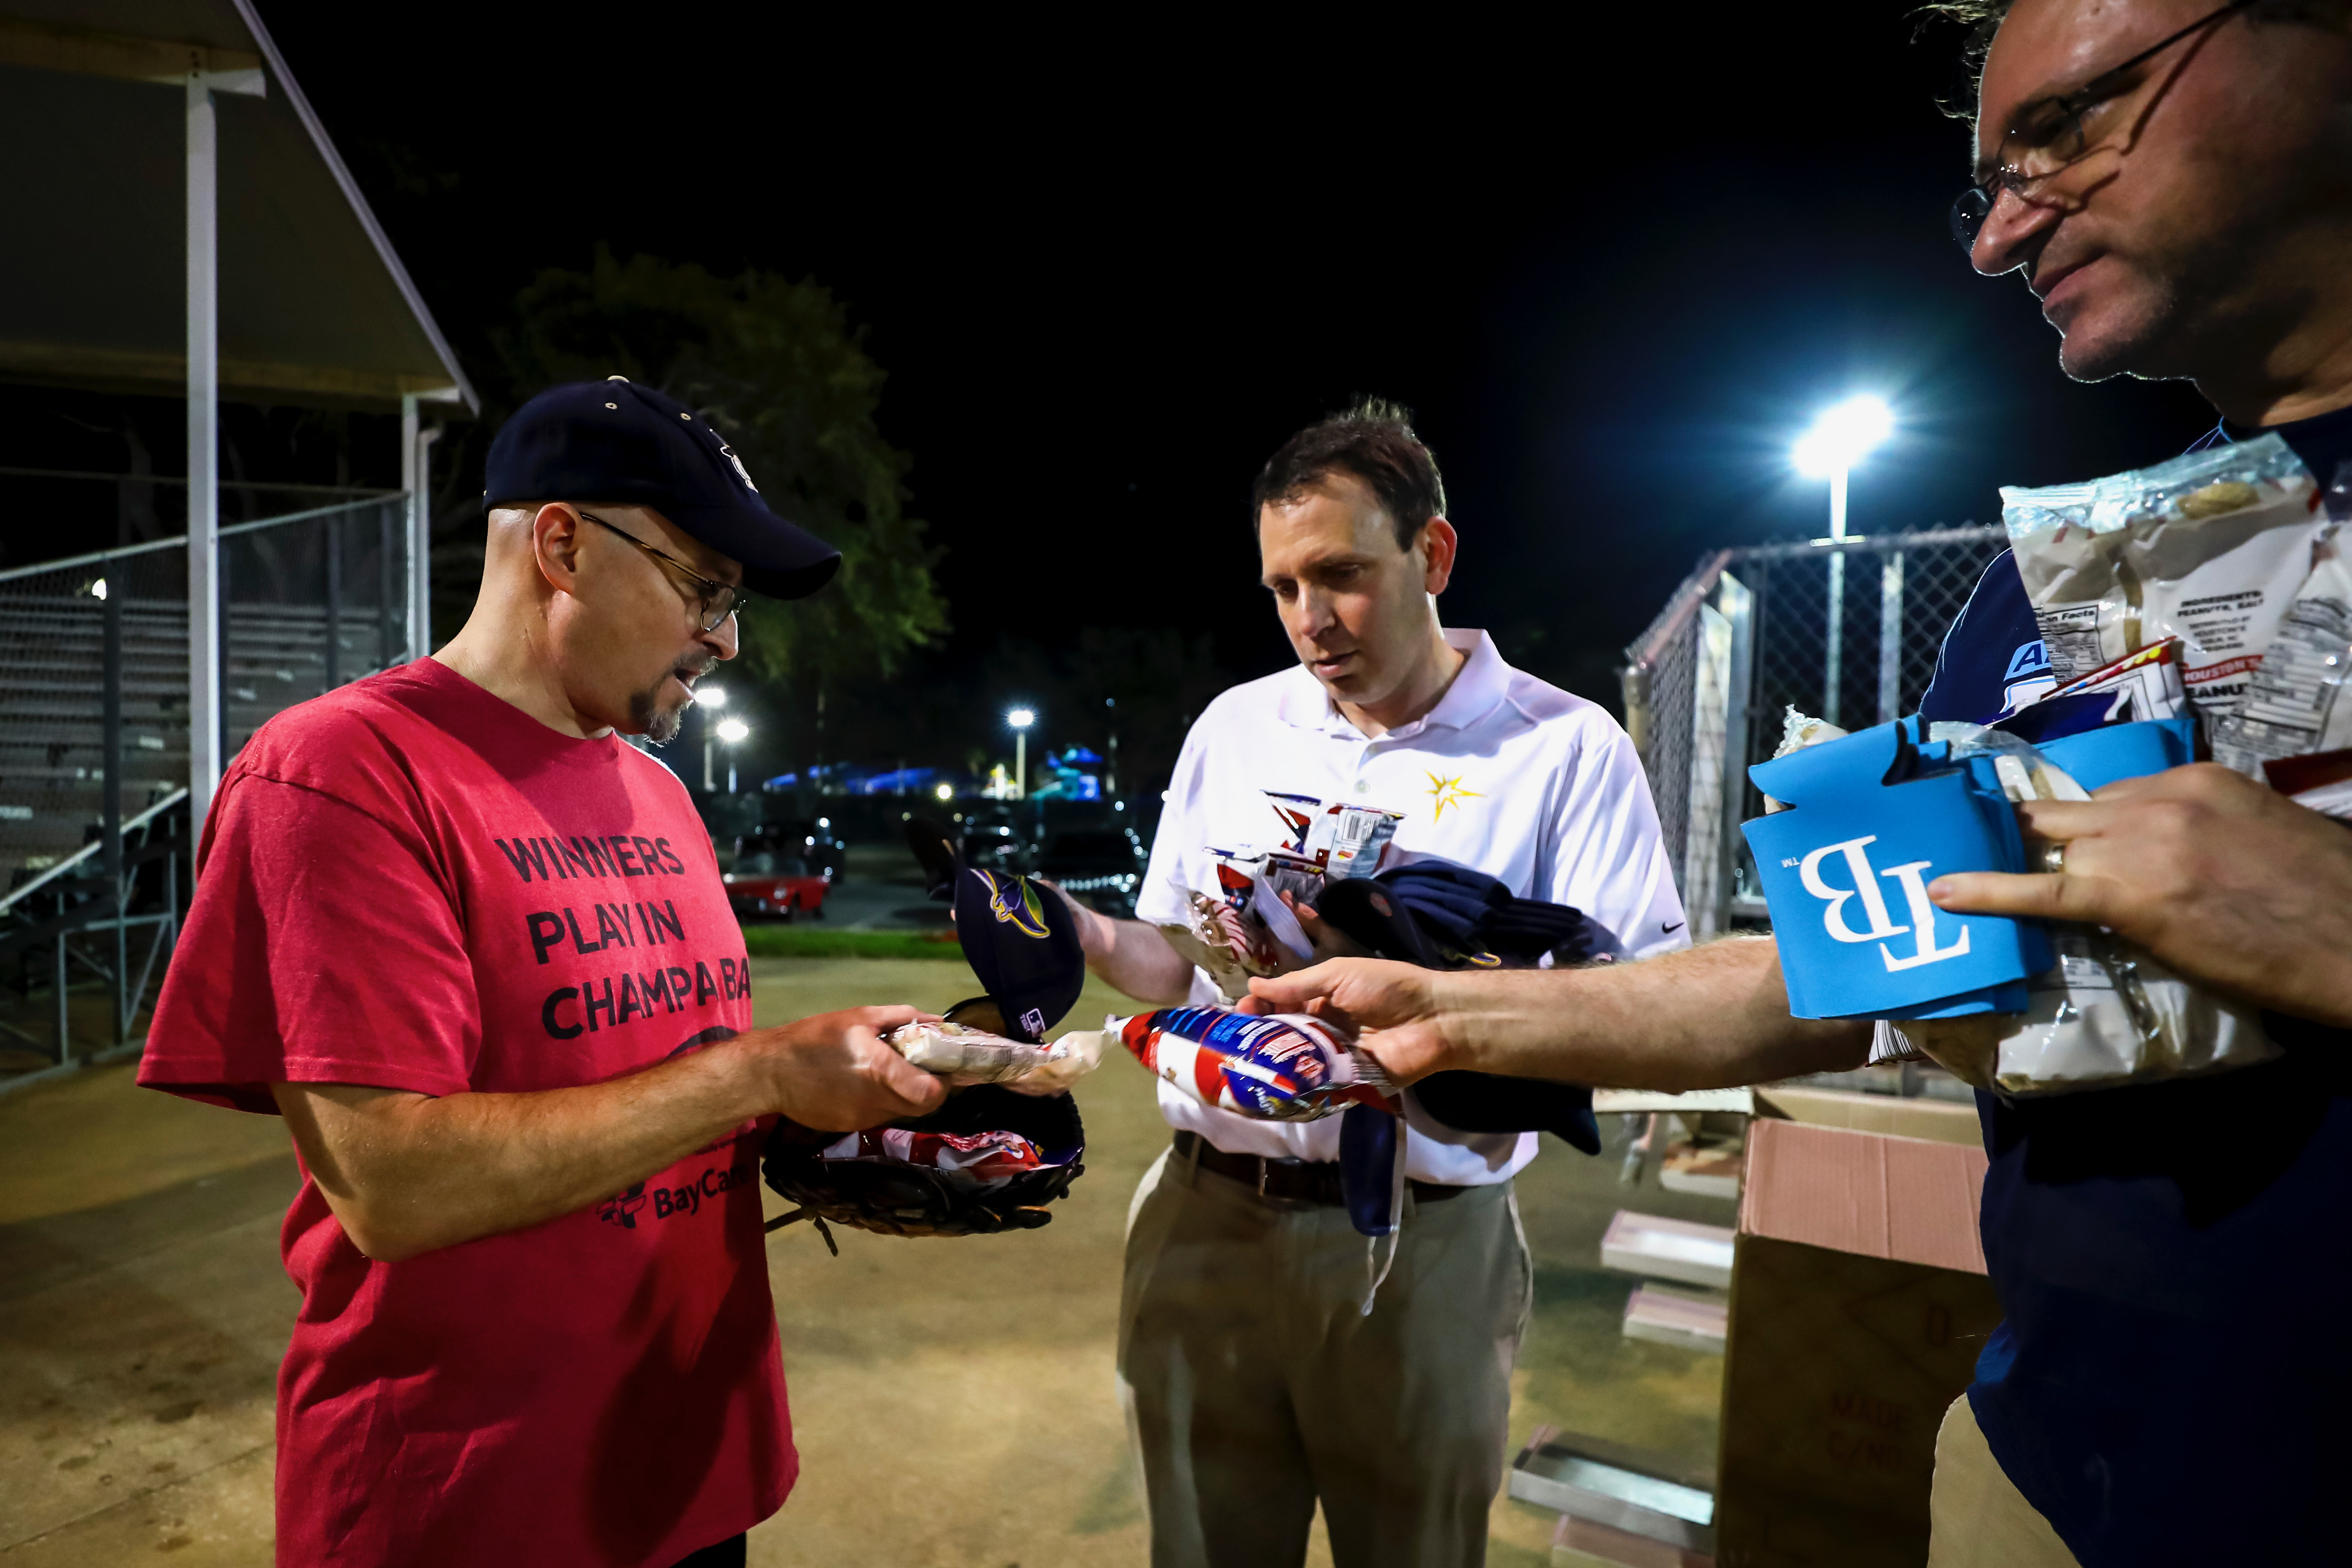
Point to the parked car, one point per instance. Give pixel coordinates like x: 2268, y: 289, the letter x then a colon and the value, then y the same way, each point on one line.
x: 782, y: 870
x: 812, y: 842
x: 997, y: 841
x: 1100, y: 866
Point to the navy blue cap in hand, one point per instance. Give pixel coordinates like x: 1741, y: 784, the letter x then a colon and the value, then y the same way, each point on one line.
x: 625, y: 445
x: 1022, y: 942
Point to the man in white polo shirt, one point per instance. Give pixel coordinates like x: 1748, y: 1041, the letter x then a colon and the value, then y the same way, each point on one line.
x: 1256, y: 1383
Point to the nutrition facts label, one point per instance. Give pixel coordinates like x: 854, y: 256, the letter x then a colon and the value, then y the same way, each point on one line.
x: 2071, y: 633
x: 2290, y: 700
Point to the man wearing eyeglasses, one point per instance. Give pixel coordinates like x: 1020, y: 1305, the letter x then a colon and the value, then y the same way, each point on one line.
x: 2174, y: 182
x: 476, y: 951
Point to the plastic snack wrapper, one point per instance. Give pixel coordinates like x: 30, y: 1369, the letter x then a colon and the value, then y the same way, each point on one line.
x: 1333, y: 837
x: 1288, y: 1067
x: 2107, y: 1013
x: 2291, y: 707
x: 2211, y: 548
x: 1233, y: 933
x: 1280, y: 1066
x: 1245, y: 927
x: 2149, y: 679
x: 964, y: 1056
x: 983, y: 1156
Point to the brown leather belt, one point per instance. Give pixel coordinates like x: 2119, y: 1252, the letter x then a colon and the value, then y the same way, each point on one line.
x: 1298, y: 1183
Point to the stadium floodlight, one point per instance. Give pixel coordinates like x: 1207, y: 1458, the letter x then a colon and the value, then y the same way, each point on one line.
x: 1844, y: 435
x: 1021, y: 719
x: 945, y: 792
x: 710, y: 697
x: 733, y: 731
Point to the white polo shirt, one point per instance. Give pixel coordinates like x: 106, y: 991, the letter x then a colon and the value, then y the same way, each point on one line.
x: 1507, y: 775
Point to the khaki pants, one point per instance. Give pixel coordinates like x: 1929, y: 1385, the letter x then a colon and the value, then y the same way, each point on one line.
x: 1980, y: 1518
x: 1255, y: 1384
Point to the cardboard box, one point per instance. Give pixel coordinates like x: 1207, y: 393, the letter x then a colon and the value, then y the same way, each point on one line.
x: 1938, y: 1121
x: 1859, y: 1303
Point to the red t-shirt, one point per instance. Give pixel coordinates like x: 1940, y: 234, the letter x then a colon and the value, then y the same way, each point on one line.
x: 412, y: 884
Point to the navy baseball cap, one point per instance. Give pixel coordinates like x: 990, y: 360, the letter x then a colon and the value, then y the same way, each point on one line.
x: 625, y: 444
x: 1022, y: 942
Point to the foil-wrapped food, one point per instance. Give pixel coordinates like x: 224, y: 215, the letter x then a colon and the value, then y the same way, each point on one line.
x: 963, y: 1055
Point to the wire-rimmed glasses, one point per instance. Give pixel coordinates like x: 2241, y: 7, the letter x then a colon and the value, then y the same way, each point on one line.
x: 2052, y: 134
x: 713, y: 602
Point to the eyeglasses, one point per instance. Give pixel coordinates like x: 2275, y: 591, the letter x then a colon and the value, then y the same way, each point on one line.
x: 2052, y: 134
x: 713, y: 602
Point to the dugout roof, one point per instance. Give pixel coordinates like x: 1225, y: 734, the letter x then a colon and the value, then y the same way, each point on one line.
x: 315, y: 308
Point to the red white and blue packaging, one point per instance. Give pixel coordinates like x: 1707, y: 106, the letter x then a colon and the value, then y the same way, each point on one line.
x: 983, y: 1156
x: 1280, y: 1066
x: 1287, y: 1066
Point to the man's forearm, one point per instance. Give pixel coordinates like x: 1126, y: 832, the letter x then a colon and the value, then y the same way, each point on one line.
x: 1711, y: 1017
x: 1130, y: 956
x: 409, y: 1172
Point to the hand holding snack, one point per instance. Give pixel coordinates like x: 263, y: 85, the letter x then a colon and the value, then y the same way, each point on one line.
x: 965, y: 1056
x: 1392, y: 1007
x: 1269, y: 1068
x: 832, y: 1071
x: 2224, y: 881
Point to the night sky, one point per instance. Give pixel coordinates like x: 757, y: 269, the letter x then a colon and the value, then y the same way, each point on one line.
x: 1110, y: 265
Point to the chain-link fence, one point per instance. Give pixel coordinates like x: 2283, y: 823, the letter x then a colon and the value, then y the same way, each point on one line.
x: 1846, y: 631
x: 94, y: 722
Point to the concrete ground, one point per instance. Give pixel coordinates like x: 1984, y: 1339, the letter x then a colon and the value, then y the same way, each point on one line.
x: 953, y: 1399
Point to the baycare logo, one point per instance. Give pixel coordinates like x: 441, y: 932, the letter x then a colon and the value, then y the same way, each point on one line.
x: 1911, y: 877
x: 621, y: 1208
x: 685, y: 1198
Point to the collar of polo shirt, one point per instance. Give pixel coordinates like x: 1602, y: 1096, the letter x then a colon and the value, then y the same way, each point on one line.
x: 1482, y: 682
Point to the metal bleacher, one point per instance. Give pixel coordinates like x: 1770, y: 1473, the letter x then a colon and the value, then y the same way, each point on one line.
x: 93, y: 666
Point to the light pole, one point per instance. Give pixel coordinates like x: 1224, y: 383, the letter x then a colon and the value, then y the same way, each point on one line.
x: 1021, y: 719
x: 705, y: 699
x: 1841, y: 437
x: 733, y: 731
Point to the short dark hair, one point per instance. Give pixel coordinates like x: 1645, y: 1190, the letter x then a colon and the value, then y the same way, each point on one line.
x: 1372, y: 441
x: 1982, y: 19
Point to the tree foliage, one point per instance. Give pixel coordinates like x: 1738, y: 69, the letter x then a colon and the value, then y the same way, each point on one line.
x: 776, y: 366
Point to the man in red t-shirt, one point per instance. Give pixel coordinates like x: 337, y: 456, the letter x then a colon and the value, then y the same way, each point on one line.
x: 475, y: 949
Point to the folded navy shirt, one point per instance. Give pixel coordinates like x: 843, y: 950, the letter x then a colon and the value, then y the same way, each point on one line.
x: 2174, y: 1259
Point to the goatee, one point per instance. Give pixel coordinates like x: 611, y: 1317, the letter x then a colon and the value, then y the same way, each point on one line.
x: 647, y: 717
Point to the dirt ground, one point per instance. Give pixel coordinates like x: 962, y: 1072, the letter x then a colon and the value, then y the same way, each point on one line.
x: 953, y: 1400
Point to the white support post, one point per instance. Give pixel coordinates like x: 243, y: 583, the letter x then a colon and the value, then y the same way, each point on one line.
x: 412, y: 485
x: 1890, y: 638
x: 205, y: 740
x: 1833, y: 671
